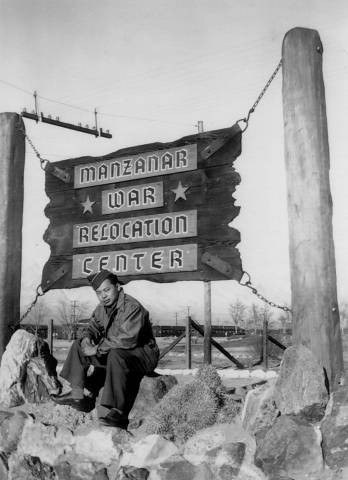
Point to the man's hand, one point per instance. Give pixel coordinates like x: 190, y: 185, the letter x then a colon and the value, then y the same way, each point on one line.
x: 87, y: 347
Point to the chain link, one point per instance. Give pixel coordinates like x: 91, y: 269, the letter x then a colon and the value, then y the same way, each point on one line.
x: 263, y: 91
x: 43, y: 162
x: 39, y: 293
x: 249, y: 285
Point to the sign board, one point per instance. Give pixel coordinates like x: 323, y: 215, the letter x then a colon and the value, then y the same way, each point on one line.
x: 149, y: 212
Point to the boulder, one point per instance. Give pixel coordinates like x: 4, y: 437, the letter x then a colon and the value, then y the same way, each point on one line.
x: 14, y: 360
x: 334, y: 428
x: 83, y: 470
x: 197, y: 448
x: 3, y: 467
x: 11, y: 427
x: 177, y: 468
x: 151, y: 450
x: 225, y: 461
x: 30, y: 468
x: 27, y: 371
x: 101, y: 474
x: 291, y: 448
x: 97, y: 444
x: 77, y: 470
x: 38, y: 385
x: 46, y: 442
x: 152, y: 390
x: 259, y: 409
x: 300, y: 387
x: 132, y: 473
x: 228, y: 449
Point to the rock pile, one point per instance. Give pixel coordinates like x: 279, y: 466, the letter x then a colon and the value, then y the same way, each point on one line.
x: 287, y: 428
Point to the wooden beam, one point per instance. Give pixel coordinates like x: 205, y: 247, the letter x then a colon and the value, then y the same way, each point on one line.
x: 172, y: 345
x: 12, y: 155
x: 221, y: 349
x: 188, y: 349
x: 312, y: 257
x: 264, y: 344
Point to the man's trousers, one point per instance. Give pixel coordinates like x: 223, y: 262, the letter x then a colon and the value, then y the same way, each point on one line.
x: 120, y: 371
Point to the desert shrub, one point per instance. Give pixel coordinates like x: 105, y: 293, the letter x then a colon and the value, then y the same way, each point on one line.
x: 229, y: 409
x: 188, y: 408
x: 207, y: 375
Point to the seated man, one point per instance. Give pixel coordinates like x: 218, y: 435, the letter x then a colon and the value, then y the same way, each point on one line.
x: 118, y: 346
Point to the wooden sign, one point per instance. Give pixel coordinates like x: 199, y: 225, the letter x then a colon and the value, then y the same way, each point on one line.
x: 159, y: 212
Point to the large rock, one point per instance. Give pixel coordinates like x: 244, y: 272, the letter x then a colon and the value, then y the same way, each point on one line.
x: 18, y: 352
x: 46, y: 442
x: 27, y: 371
x: 38, y: 385
x: 334, y: 429
x: 97, y: 445
x: 178, y: 468
x: 11, y: 427
x: 29, y: 468
x: 225, y: 461
x: 150, y: 451
x: 132, y: 473
x: 222, y: 447
x: 3, y: 467
x: 300, y: 387
x: 259, y: 410
x: 208, y: 439
x: 291, y: 448
x: 151, y: 391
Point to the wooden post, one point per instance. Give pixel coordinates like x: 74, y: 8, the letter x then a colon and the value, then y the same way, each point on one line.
x: 207, y: 322
x: 188, y: 342
x: 312, y: 257
x: 50, y: 335
x: 264, y: 343
x: 12, y: 156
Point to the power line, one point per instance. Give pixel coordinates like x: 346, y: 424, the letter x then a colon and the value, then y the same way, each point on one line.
x: 15, y: 86
x: 114, y: 115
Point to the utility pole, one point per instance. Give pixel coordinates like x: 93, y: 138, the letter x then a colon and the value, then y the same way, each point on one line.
x: 316, y: 321
x: 207, y: 299
x: 73, y: 317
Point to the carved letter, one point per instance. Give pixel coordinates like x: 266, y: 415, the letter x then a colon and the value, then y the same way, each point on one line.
x: 85, y: 269
x: 176, y: 258
x: 149, y: 195
x: 156, y: 260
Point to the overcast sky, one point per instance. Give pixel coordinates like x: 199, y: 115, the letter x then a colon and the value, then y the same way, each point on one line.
x: 153, y: 69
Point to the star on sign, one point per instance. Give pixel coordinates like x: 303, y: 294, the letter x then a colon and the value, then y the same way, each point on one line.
x: 87, y: 205
x: 179, y: 191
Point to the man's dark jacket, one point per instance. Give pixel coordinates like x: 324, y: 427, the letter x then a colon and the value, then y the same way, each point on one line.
x: 124, y: 325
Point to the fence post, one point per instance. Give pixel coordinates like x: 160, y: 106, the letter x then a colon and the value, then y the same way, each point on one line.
x: 188, y: 342
x: 207, y: 322
x: 264, y: 344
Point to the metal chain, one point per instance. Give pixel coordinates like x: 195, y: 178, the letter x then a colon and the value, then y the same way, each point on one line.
x: 43, y: 165
x: 39, y: 293
x: 43, y: 162
x: 263, y: 91
x: 248, y: 284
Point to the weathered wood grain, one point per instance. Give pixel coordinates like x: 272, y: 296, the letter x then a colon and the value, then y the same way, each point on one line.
x: 12, y: 156
x: 312, y: 258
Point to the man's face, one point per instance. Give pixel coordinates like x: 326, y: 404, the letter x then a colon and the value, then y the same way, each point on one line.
x: 107, y: 293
